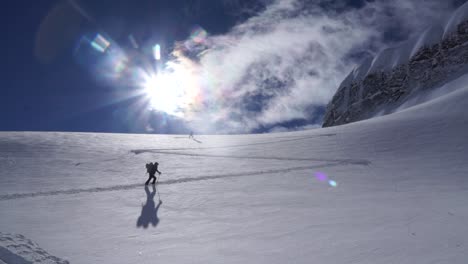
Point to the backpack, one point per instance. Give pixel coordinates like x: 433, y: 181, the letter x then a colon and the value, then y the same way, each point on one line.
x: 154, y: 168
x: 149, y: 167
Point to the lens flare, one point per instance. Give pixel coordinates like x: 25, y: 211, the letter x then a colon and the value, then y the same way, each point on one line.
x: 157, y: 52
x: 103, y: 58
x: 321, y: 176
x: 133, y: 41
x: 176, y: 86
x: 100, y: 43
x: 198, y: 37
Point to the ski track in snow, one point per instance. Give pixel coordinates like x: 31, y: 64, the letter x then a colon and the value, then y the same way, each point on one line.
x: 174, y: 181
x: 347, y: 161
x: 293, y: 138
x: 325, y: 163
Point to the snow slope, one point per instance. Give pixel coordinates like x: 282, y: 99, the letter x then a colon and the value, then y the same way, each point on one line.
x: 20, y: 250
x: 402, y: 187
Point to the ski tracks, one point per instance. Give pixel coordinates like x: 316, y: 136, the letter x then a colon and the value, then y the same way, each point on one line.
x: 347, y: 161
x: 288, y: 139
x: 322, y: 163
x: 172, y: 181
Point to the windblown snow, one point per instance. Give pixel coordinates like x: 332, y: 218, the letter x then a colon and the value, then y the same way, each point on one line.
x: 391, y: 189
x: 389, y: 58
x: 399, y: 77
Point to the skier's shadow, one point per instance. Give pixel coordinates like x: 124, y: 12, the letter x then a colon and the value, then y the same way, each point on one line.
x: 149, y: 211
x: 194, y: 139
x: 198, y: 141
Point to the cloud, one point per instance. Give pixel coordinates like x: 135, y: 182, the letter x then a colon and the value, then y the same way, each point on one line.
x: 287, y: 61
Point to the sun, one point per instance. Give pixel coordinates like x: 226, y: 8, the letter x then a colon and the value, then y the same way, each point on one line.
x: 162, y: 93
x: 174, y: 89
x: 166, y: 92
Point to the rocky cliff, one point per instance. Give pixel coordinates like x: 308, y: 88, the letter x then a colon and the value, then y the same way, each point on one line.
x: 381, y: 85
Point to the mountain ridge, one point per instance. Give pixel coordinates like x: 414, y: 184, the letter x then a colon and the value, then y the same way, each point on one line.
x: 384, y: 84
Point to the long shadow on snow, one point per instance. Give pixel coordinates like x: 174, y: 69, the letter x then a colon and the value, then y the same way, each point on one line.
x: 149, y: 211
x: 174, y: 181
x: 196, y: 140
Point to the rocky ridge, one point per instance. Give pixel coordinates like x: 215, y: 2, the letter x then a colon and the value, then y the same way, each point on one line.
x: 383, y: 84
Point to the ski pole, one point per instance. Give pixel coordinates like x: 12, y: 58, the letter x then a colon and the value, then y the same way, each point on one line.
x: 157, y: 179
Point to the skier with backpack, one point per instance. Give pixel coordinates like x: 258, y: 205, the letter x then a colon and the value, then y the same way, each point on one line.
x: 152, y: 169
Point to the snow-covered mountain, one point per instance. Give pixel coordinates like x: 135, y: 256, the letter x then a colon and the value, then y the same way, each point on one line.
x: 391, y: 189
x: 403, y: 76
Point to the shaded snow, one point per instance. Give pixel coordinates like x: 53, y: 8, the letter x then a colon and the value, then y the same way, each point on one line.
x: 18, y: 249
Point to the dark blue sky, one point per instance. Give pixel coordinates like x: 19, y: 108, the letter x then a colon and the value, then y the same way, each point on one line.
x: 43, y: 88
x: 57, y: 94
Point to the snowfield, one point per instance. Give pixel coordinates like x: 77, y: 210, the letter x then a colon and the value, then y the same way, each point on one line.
x: 400, y: 197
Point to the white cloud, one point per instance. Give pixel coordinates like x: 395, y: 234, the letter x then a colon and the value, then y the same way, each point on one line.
x: 293, y: 55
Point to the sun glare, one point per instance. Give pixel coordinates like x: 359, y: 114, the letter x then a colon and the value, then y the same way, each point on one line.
x: 166, y: 92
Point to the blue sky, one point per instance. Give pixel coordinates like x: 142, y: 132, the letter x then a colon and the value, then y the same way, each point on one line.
x: 237, y: 66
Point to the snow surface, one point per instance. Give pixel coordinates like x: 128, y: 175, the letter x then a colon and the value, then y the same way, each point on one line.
x: 20, y: 250
x: 402, y: 187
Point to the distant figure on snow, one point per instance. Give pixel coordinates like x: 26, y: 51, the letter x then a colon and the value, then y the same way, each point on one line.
x: 191, y: 135
x: 152, y: 168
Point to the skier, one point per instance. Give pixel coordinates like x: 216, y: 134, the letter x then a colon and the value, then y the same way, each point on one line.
x: 152, y: 169
x: 191, y: 135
